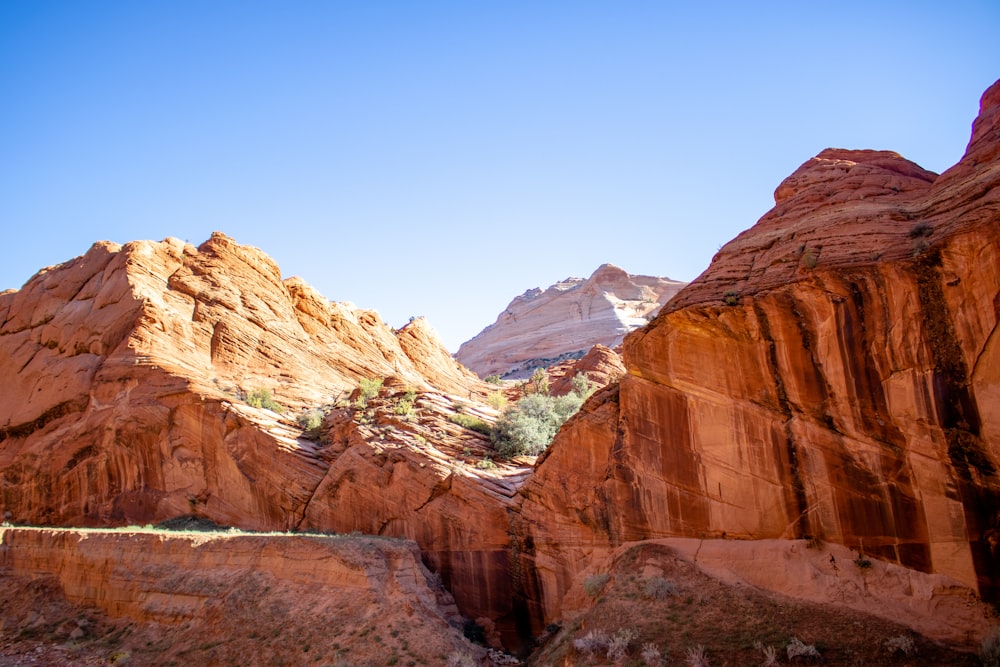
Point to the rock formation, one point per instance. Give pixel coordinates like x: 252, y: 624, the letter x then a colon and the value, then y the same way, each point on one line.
x: 540, y: 328
x: 834, y: 375
x: 212, y: 598
x: 833, y: 378
x: 128, y: 372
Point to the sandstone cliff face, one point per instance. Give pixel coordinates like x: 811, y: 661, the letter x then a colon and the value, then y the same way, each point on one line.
x: 214, y: 598
x: 565, y: 320
x: 127, y: 371
x: 834, y: 374
x: 140, y: 357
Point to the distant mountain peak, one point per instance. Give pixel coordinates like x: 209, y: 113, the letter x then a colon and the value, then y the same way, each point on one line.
x: 563, y: 321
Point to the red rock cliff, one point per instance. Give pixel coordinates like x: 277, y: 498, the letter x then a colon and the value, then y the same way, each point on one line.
x: 835, y: 373
x: 126, y: 372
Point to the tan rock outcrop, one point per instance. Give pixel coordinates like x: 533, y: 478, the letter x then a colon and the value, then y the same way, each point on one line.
x: 542, y: 327
x: 835, y: 373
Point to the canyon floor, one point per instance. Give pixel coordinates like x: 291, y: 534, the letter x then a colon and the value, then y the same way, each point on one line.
x: 230, y: 613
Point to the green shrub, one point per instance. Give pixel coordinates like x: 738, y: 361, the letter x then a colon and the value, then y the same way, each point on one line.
x: 582, y: 386
x: 497, y: 400
x: 261, y: 398
x: 539, y: 382
x: 493, y: 379
x: 471, y: 423
x: 529, y: 427
x: 310, y: 422
x: 369, y: 390
x: 404, y: 405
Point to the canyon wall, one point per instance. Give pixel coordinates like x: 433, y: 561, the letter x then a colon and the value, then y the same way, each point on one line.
x: 129, y: 375
x: 834, y: 375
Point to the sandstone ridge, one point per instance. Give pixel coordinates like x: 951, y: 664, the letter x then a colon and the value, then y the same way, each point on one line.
x: 542, y: 327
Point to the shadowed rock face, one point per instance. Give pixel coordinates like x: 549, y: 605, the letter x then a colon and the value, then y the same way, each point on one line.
x: 564, y: 321
x: 834, y: 374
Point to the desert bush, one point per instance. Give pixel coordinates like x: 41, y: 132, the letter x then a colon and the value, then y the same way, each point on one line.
x: 901, y: 644
x: 618, y: 646
x: 310, y: 422
x: 798, y: 649
x: 529, y: 426
x: 369, y: 389
x: 919, y: 230
x: 696, y: 657
x: 461, y: 659
x: 526, y: 428
x: 471, y: 423
x: 497, y: 400
x: 658, y: 588
x: 651, y: 655
x: 989, y: 649
x: 485, y: 464
x: 493, y: 379
x: 595, y: 641
x: 261, y: 398
x: 539, y: 383
x: 582, y: 386
x: 594, y: 584
x: 404, y: 404
x: 770, y: 654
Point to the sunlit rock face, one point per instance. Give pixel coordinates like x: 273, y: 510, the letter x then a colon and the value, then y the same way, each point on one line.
x: 834, y: 375
x: 542, y: 327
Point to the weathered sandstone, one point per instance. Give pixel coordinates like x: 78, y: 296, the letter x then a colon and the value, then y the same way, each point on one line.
x: 542, y: 327
x: 128, y: 370
x: 834, y: 374
x: 261, y: 599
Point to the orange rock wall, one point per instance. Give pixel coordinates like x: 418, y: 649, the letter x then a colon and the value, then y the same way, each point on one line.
x: 833, y: 374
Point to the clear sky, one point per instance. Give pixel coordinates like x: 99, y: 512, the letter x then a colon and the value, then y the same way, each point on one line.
x: 439, y: 158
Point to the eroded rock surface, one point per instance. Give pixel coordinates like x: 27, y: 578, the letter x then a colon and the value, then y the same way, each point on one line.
x: 214, y: 598
x: 834, y: 374
x: 543, y: 327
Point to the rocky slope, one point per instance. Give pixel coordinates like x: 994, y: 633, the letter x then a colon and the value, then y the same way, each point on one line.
x: 128, y: 371
x: 151, y: 597
x: 833, y: 375
x: 542, y: 327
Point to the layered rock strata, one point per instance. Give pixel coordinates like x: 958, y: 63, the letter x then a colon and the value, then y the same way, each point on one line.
x: 543, y: 327
x: 834, y: 375
x: 131, y: 373
x: 213, y: 598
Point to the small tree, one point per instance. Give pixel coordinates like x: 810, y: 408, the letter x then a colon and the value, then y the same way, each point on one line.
x: 539, y: 382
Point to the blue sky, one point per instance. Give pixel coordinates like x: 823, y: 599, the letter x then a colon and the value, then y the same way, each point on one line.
x: 439, y: 158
